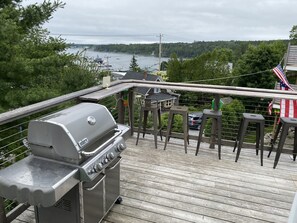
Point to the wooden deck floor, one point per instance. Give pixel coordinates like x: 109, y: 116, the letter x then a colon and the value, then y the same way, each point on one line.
x: 171, y: 186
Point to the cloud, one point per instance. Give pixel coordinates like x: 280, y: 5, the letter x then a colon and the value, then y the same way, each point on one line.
x: 131, y: 21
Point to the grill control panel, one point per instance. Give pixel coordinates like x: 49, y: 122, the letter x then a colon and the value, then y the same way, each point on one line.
x: 94, y: 165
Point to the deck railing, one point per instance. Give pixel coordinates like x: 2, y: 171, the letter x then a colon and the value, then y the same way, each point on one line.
x: 13, y: 124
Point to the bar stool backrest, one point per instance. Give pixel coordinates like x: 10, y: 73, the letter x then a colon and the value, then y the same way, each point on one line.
x: 147, y: 102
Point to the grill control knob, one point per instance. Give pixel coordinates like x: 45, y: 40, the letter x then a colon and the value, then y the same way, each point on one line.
x: 98, y: 167
x: 105, y: 161
x: 110, y: 156
x: 121, y: 147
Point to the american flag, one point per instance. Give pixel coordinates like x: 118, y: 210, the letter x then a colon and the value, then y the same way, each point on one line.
x: 288, y: 108
x: 270, y: 106
x: 278, y: 70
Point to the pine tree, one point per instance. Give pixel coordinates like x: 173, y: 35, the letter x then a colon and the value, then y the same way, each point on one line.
x: 133, y: 65
x: 33, y: 65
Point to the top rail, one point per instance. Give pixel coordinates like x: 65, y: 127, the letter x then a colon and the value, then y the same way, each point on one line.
x: 98, y: 92
x: 15, y: 114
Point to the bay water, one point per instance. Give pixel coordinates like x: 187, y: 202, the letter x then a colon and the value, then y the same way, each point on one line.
x: 119, y: 61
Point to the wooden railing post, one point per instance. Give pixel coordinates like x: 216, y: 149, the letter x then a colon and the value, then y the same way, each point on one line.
x: 214, y: 122
x: 131, y: 109
x: 3, y: 218
x: 120, y: 107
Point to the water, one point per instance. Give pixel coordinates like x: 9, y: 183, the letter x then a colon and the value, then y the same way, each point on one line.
x: 121, y: 61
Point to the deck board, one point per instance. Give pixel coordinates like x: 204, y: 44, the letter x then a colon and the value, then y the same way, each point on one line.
x: 171, y: 186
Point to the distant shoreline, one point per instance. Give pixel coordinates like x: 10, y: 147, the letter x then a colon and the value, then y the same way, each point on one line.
x: 119, y: 61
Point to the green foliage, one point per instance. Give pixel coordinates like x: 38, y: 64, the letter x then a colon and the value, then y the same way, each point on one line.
x: 133, y: 65
x: 230, y: 120
x: 177, y: 123
x: 34, y: 66
x: 211, y: 65
x: 182, y: 50
x: 164, y: 65
x: 174, y: 68
x: 258, y: 59
x: 293, y: 35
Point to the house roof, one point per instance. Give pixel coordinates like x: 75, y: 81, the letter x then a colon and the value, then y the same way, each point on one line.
x: 141, y: 76
x: 162, y: 96
x: 291, y: 58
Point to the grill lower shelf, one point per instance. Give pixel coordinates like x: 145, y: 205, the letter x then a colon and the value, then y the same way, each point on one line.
x: 38, y: 181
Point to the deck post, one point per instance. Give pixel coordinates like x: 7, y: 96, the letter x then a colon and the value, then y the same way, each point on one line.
x: 120, y: 108
x: 131, y: 109
x: 2, y: 211
x: 214, y: 122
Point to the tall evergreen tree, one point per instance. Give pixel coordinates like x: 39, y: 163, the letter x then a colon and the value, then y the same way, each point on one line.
x: 134, y: 65
x: 34, y: 66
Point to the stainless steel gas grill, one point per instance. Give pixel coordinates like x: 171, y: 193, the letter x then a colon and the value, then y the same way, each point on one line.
x: 73, y: 174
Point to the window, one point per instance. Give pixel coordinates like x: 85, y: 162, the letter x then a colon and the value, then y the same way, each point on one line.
x: 168, y: 103
x: 157, y: 90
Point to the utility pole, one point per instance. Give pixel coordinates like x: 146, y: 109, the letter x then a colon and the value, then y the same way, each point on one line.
x: 107, y: 64
x: 160, y: 50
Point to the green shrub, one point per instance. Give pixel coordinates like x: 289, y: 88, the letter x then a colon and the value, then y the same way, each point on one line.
x: 232, y: 114
x: 177, y: 123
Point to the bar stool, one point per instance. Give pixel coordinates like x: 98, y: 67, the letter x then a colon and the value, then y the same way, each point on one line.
x: 216, y: 117
x: 156, y: 115
x: 284, y: 126
x: 183, y: 111
x: 246, y: 119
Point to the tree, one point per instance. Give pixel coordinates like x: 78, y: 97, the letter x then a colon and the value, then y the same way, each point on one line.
x: 208, y: 66
x: 34, y: 66
x: 164, y: 65
x: 133, y: 65
x: 174, y: 68
x: 258, y: 61
x: 213, y: 67
x: 293, y: 35
x: 255, y: 70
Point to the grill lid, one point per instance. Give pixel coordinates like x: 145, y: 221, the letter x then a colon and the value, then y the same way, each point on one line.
x: 64, y: 134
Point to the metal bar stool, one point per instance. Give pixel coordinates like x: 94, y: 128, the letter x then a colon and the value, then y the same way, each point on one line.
x: 217, y: 118
x: 183, y: 111
x: 156, y: 115
x: 284, y: 126
x: 246, y: 119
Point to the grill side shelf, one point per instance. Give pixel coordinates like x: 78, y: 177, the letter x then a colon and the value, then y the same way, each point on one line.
x: 38, y: 181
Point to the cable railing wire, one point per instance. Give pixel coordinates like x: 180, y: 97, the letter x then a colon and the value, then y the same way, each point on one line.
x: 15, y: 126
x: 202, y: 100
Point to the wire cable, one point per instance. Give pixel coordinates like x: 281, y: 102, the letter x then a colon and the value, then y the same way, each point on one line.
x: 232, y: 77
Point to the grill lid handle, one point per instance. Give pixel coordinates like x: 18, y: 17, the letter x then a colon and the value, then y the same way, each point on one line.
x: 87, y: 154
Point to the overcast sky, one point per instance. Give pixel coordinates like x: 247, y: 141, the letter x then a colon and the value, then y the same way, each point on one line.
x: 142, y: 21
